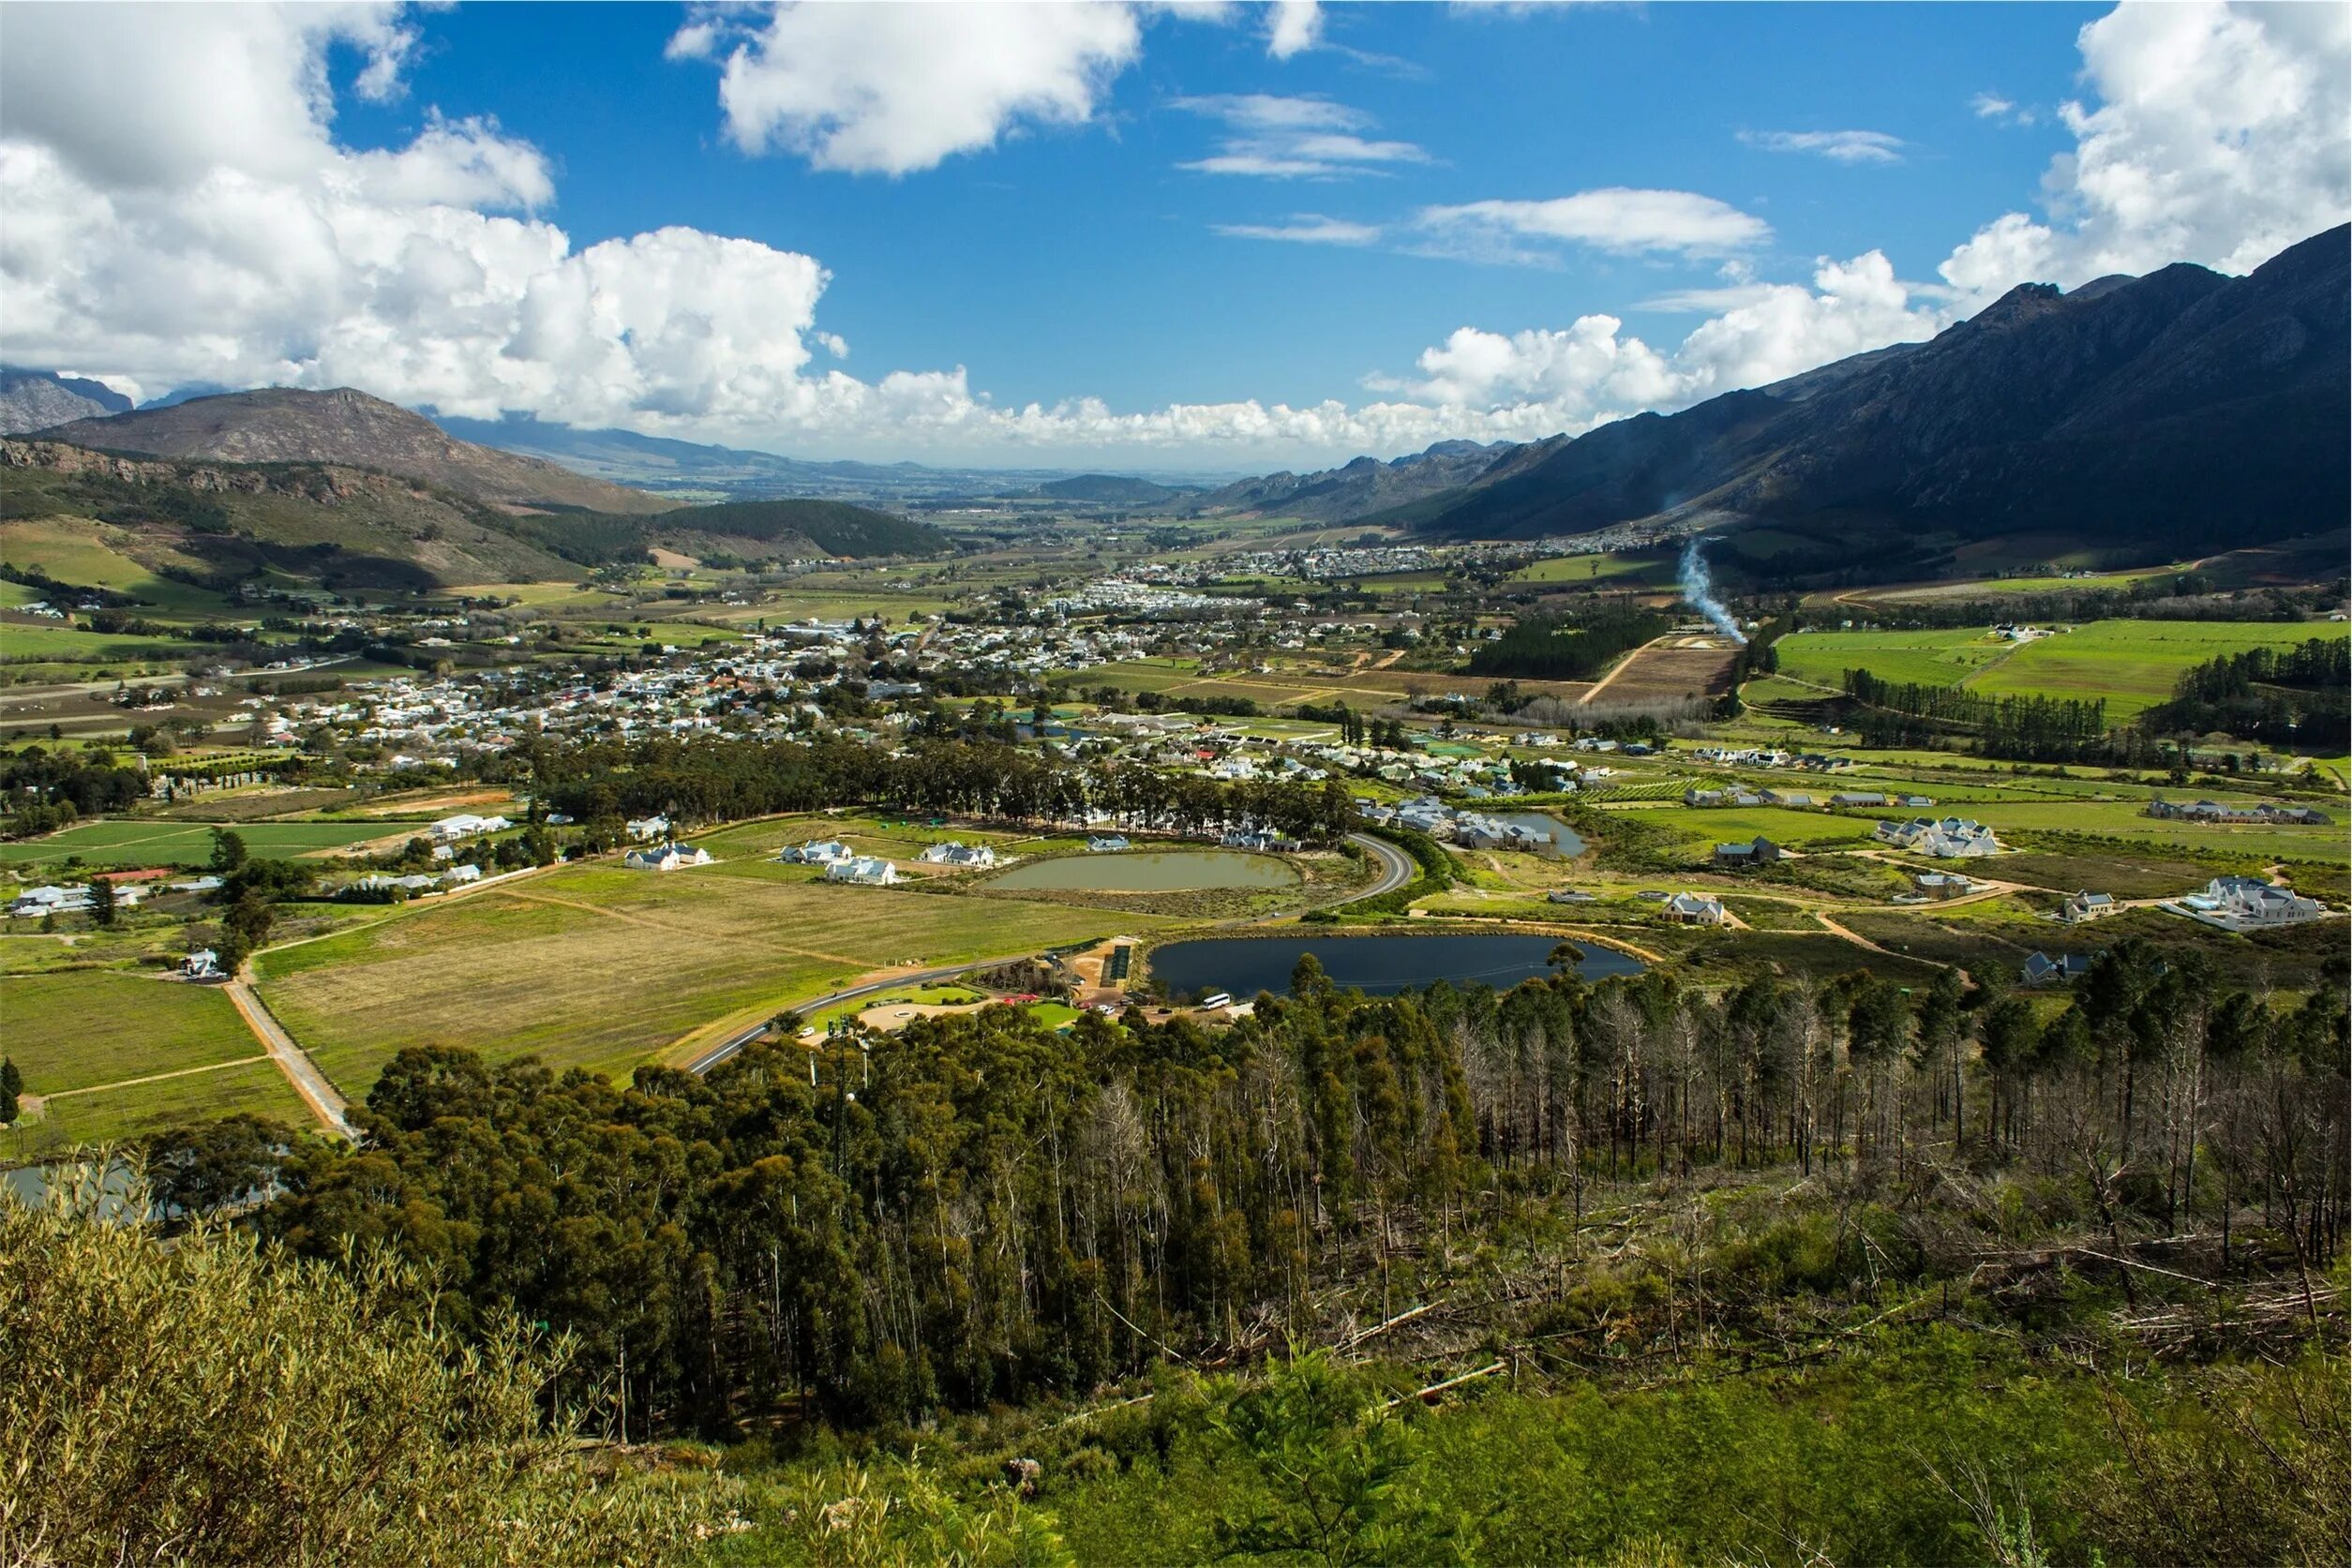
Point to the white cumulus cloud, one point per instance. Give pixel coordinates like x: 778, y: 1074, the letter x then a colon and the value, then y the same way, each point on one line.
x: 2219, y: 138
x: 1293, y: 28
x: 892, y: 89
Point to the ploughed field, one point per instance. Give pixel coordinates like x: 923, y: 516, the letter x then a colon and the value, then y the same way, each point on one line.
x: 601, y: 967
x: 1149, y: 871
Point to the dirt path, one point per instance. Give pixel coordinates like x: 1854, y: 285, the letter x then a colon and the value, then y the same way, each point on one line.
x: 151, y: 1078
x: 326, y: 1105
x: 1619, y: 668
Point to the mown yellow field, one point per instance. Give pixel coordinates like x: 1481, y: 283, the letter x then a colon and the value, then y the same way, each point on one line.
x: 601, y: 968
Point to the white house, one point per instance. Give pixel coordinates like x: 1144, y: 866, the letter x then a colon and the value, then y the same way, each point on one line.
x: 1105, y: 843
x: 2080, y: 907
x: 647, y: 828
x: 466, y: 825
x: 1952, y: 839
x: 866, y: 870
x: 50, y: 901
x: 1694, y: 909
x: 2247, y: 903
x: 952, y: 853
x: 665, y: 857
x: 201, y: 964
x: 818, y: 852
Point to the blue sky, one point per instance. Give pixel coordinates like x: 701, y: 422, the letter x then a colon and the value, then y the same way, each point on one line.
x: 1499, y: 221
x: 1085, y: 259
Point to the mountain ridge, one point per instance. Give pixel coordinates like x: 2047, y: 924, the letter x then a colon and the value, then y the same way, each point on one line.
x: 347, y: 428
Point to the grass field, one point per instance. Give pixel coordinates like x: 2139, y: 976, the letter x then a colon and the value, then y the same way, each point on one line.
x: 73, y: 1032
x: 26, y: 644
x: 599, y: 967
x: 142, y: 844
x: 1930, y: 658
x: 2132, y: 664
x: 90, y: 554
x: 1571, y: 570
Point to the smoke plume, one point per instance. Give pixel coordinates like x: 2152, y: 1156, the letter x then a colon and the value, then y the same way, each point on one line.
x: 1700, y: 590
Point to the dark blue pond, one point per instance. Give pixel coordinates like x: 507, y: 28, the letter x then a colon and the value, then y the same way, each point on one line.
x: 1246, y: 965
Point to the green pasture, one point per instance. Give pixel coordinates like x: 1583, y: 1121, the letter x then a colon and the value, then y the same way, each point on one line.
x: 1571, y: 570
x: 2134, y: 663
x: 1930, y: 658
x: 21, y: 643
x: 599, y: 967
x: 127, y: 843
x: 74, y: 1033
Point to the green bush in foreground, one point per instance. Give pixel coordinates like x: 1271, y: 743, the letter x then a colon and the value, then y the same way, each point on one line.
x: 204, y: 1403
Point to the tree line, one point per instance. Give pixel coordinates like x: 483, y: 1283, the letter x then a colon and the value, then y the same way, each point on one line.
x: 716, y: 781
x: 976, y: 1212
x: 1566, y: 648
x: 2286, y: 697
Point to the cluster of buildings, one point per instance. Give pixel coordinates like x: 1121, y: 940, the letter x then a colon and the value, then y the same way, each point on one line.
x: 2262, y: 813
x: 1472, y: 830
x: 1951, y: 838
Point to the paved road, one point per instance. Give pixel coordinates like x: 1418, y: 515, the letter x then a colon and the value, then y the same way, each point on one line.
x: 734, y: 1043
x: 300, y: 1071
x: 1397, y: 869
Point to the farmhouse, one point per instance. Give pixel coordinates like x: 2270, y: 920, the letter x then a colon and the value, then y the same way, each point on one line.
x: 2247, y: 903
x: 866, y: 871
x: 1693, y: 909
x: 2041, y: 968
x: 1857, y: 797
x: 2213, y: 811
x: 665, y: 857
x: 2080, y: 907
x: 1952, y: 839
x: 1737, y: 856
x: 818, y: 852
x: 1787, y: 798
x: 970, y: 856
x: 646, y: 827
x: 201, y: 964
x: 466, y: 825
x: 1943, y: 884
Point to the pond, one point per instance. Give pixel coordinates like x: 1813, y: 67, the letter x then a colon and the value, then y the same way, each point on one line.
x: 1246, y: 965
x: 1150, y: 871
x: 1566, y: 843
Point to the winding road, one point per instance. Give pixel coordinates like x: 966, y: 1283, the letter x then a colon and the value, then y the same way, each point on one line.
x: 1396, y: 870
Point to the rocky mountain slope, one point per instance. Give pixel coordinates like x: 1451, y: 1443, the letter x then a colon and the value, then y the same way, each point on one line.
x: 351, y: 429
x: 2182, y: 411
x: 1360, y: 488
x: 36, y: 400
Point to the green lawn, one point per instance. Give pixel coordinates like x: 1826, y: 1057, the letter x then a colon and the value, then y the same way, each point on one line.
x: 599, y: 967
x: 1592, y: 568
x: 23, y: 643
x: 125, y: 843
x: 73, y: 1031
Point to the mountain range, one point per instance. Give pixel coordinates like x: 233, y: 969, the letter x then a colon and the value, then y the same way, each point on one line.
x: 36, y: 400
x: 280, y: 425
x: 2178, y: 411
x: 1360, y: 488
